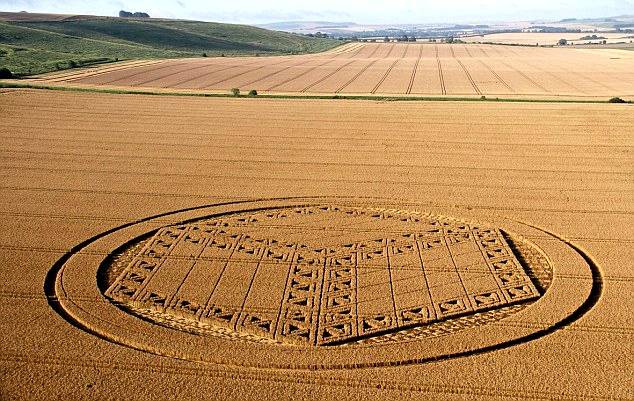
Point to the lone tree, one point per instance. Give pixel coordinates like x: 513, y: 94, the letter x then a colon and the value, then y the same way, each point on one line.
x: 562, y: 42
x: 616, y: 100
x: 235, y: 92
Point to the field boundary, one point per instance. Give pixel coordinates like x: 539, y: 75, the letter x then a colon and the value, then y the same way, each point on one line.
x: 385, y: 98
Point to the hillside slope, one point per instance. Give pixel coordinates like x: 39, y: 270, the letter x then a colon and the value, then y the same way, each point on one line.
x: 31, y: 46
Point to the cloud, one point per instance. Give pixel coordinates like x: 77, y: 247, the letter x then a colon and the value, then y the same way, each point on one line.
x: 364, y: 11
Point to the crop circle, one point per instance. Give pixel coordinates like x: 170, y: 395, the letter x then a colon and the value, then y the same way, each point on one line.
x: 310, y: 284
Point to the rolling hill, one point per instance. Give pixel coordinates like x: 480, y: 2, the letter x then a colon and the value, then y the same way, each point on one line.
x: 37, y: 43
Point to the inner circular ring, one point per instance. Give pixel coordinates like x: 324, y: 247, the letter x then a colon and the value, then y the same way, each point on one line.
x: 326, y: 275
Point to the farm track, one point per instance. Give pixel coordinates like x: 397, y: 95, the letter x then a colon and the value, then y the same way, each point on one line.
x: 258, y: 79
x: 293, y: 78
x: 413, y: 77
x: 189, y: 70
x: 488, y: 67
x: 384, y: 77
x: 135, y: 74
x: 556, y: 78
x: 364, y: 69
x: 353, y: 51
x: 466, y: 71
x: 443, y: 89
x: 357, y: 75
x: 325, y: 77
x: 587, y: 78
x: 543, y: 70
x: 472, y: 70
x: 74, y: 75
x: 389, y: 54
x: 326, y: 62
x: 523, y: 75
x: 224, y: 79
x: 207, y: 73
x: 345, y: 49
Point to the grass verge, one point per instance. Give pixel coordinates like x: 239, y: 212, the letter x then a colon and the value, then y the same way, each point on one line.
x: 35, y: 47
x: 17, y: 85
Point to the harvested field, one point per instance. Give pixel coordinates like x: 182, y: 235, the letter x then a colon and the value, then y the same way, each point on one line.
x: 548, y: 39
x: 416, y: 69
x: 247, y: 248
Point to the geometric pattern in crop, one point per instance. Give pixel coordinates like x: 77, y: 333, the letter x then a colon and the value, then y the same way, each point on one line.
x: 323, y: 275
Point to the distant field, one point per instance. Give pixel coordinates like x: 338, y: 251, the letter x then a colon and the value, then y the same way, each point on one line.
x: 37, y: 43
x: 383, y: 69
x: 619, y: 46
x: 549, y: 39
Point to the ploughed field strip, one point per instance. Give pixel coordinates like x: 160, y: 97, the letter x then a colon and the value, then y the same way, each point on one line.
x: 385, y: 68
x: 322, y: 275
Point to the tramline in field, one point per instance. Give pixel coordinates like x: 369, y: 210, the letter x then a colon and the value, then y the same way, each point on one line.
x: 421, y: 69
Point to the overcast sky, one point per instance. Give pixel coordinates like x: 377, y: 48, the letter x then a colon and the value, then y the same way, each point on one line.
x: 361, y: 11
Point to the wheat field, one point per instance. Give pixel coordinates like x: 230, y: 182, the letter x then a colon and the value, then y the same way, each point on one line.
x: 403, y: 69
x: 319, y: 249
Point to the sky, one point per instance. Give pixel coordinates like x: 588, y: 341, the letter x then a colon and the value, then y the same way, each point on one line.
x: 360, y: 11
